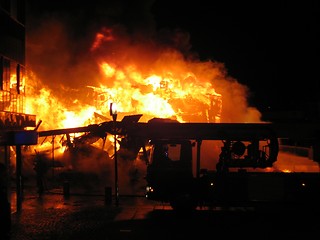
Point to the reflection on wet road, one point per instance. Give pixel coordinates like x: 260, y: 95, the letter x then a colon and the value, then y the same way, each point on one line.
x: 87, y: 217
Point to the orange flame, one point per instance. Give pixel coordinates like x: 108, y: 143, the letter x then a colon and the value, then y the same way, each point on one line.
x: 142, y: 78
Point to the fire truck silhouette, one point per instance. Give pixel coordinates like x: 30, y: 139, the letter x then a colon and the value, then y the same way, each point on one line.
x: 172, y: 152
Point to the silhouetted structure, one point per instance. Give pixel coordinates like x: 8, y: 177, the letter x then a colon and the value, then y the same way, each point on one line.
x: 13, y: 119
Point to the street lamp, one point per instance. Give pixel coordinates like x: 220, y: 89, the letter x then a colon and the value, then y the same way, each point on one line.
x: 114, y: 113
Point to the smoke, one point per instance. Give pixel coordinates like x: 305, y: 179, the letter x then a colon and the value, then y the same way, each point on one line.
x: 59, y: 37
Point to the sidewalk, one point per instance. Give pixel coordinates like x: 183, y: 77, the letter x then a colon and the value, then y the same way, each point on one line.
x: 84, y: 217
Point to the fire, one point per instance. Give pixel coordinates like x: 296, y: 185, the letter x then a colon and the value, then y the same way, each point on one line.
x: 54, y: 112
x: 169, y: 93
x: 159, y: 95
x: 143, y: 76
x: 77, y: 119
x: 104, y: 35
x: 178, y: 96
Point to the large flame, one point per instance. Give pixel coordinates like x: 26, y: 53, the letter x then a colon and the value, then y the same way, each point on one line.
x: 141, y: 80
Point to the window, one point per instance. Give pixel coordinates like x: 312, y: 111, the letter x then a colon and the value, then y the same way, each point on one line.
x: 12, y: 86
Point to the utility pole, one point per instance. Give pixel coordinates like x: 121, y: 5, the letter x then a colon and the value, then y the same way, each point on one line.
x: 114, y: 113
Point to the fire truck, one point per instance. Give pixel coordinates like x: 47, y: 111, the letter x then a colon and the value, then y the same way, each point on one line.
x: 240, y: 175
x: 180, y: 173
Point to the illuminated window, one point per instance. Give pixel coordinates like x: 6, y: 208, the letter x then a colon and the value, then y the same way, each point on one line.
x: 12, y: 86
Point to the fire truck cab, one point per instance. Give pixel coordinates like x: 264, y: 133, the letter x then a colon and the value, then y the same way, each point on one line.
x: 169, y: 173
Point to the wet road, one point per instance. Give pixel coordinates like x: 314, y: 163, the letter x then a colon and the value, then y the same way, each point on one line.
x: 88, y: 217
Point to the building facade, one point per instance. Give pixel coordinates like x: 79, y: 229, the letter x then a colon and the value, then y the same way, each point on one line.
x: 12, y: 67
x: 15, y: 123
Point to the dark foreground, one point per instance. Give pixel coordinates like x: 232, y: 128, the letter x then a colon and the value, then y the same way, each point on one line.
x: 89, y: 217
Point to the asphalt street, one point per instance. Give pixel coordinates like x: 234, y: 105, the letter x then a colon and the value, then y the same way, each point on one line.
x: 54, y: 216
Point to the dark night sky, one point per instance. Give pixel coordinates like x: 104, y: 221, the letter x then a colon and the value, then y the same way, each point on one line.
x: 273, y: 47
x: 270, y: 46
